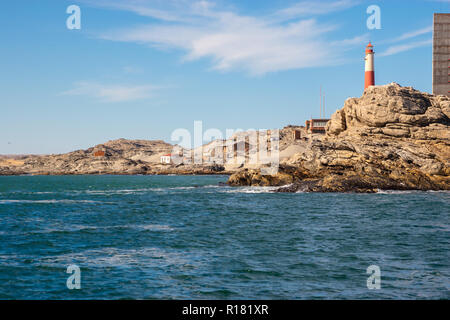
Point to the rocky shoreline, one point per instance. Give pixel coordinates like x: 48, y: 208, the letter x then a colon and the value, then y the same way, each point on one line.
x: 116, y: 157
x: 392, y: 137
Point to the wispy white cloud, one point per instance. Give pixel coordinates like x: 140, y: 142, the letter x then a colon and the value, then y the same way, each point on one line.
x: 112, y: 93
x: 405, y: 47
x: 399, y: 47
x: 233, y: 41
x: 309, y: 8
x: 413, y: 34
x: 164, y: 10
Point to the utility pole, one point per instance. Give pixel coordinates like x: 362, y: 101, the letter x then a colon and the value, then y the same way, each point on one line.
x: 320, y: 108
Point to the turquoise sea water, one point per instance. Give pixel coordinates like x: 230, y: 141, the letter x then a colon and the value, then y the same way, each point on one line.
x: 186, y: 237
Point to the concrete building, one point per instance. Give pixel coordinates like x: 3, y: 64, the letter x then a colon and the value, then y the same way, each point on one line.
x: 316, y: 125
x: 441, y: 53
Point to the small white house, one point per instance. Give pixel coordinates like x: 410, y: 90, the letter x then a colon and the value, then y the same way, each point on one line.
x: 166, y: 159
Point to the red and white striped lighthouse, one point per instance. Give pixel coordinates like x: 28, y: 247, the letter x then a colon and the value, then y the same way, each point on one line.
x: 370, y: 70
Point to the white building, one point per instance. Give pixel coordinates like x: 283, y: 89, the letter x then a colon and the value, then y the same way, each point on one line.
x: 166, y: 159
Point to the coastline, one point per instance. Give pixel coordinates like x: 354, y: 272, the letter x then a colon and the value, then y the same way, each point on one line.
x: 299, y: 187
x: 391, y: 138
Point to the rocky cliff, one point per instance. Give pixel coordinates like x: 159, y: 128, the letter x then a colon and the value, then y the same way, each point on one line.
x: 114, y: 157
x: 392, y: 137
x: 133, y: 157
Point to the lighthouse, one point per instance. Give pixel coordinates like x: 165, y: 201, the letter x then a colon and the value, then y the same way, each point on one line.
x: 370, y: 70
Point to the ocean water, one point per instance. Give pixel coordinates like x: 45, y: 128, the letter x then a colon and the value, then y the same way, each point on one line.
x: 187, y: 237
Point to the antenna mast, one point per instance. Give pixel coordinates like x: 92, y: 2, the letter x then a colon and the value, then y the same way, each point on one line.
x: 320, y: 107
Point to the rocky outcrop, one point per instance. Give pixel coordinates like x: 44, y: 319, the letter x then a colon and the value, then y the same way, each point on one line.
x: 138, y: 157
x: 392, y: 137
x: 114, y: 157
x: 120, y: 157
x: 253, y: 177
x: 393, y: 111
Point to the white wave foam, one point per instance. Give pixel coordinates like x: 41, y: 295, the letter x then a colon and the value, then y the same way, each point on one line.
x: 143, y: 190
x: 79, y: 227
x: 181, y: 188
x: 109, y: 192
x: 135, y: 191
x: 41, y: 192
x: 115, y: 257
x: 249, y: 190
x: 154, y: 227
x: 47, y: 201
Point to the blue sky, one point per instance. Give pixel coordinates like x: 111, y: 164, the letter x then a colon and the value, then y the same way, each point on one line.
x: 141, y: 69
